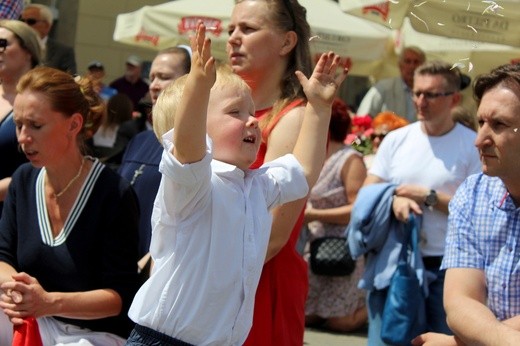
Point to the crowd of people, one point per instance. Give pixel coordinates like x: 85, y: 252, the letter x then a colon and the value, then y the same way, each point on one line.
x: 180, y: 208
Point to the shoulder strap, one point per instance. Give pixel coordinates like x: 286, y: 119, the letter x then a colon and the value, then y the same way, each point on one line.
x: 267, y: 131
x: 410, y: 239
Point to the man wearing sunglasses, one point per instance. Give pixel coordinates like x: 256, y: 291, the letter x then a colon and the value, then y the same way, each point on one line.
x: 427, y: 160
x: 56, y: 54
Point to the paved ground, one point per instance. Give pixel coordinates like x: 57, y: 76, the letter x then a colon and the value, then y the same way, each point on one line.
x: 316, y: 337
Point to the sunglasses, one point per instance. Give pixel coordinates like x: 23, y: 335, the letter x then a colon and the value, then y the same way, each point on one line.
x: 379, y: 136
x: 3, y: 44
x: 30, y: 21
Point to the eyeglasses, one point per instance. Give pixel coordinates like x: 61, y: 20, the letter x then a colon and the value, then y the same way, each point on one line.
x: 3, y: 44
x: 30, y: 21
x: 379, y: 136
x: 431, y: 96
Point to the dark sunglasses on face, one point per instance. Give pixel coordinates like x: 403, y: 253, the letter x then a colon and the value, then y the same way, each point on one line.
x: 30, y: 21
x: 3, y: 44
x: 431, y: 96
x: 379, y: 136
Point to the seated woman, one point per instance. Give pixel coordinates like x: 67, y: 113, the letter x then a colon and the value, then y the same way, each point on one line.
x: 335, y: 302
x: 68, y: 235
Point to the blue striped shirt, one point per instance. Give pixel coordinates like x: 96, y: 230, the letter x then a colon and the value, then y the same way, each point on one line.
x: 484, y: 233
x: 11, y: 9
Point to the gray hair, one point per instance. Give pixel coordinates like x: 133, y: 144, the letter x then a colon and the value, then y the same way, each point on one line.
x: 413, y: 49
x: 45, y: 12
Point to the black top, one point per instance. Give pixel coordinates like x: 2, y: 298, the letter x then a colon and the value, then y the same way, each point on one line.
x: 60, y: 56
x: 134, y: 91
x: 140, y: 166
x: 96, y: 249
x: 10, y: 154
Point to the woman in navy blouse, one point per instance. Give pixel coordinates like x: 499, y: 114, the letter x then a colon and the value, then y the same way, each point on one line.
x: 68, y: 234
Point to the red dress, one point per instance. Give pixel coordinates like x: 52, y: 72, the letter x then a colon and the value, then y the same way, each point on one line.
x: 279, y: 314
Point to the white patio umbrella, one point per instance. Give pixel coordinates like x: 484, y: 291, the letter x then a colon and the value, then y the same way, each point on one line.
x: 172, y: 23
x: 362, y: 44
x: 472, y: 57
x: 476, y: 20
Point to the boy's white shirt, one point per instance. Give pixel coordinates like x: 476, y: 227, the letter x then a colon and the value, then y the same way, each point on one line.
x: 211, y: 225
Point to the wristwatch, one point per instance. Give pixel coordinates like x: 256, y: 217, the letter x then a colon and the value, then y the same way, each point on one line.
x: 431, y: 199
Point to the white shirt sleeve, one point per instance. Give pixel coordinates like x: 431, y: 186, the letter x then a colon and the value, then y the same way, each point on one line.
x: 289, y: 179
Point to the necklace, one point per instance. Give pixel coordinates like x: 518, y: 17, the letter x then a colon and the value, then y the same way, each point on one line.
x: 59, y: 194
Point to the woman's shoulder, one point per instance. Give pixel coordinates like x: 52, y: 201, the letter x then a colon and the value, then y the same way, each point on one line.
x: 291, y: 113
x: 25, y: 172
x: 296, y: 106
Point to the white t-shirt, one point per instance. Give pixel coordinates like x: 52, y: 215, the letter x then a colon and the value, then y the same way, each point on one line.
x: 408, y: 156
x: 211, y: 225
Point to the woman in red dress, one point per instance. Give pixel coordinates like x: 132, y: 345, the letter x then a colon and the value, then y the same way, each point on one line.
x: 269, y: 41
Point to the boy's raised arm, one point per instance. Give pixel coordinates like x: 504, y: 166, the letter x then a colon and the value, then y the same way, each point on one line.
x: 320, y: 89
x: 189, y: 135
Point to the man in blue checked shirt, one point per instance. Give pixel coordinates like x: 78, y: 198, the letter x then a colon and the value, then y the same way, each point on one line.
x: 482, y: 256
x: 10, y: 9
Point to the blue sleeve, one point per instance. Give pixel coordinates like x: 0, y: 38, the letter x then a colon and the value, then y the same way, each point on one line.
x: 461, y: 250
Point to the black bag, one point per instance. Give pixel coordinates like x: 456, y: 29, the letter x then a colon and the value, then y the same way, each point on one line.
x: 330, y: 256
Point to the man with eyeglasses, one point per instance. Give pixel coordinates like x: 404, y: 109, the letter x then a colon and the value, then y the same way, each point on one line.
x: 395, y: 94
x: 427, y: 160
x: 57, y: 55
x: 482, y: 296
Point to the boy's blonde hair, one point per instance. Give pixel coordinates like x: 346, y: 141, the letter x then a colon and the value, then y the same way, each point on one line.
x: 168, y: 102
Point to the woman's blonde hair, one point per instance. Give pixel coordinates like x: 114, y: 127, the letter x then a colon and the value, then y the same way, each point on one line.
x: 27, y: 38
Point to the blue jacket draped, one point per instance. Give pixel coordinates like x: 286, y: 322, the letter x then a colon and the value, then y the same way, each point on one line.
x: 375, y: 232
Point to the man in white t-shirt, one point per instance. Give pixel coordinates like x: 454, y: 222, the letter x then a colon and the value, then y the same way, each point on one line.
x: 427, y: 160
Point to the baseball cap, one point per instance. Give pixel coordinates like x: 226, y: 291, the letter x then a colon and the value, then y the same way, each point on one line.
x: 133, y: 60
x: 95, y: 64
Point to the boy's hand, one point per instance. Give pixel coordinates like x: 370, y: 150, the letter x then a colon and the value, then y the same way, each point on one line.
x: 322, y: 86
x: 202, y: 63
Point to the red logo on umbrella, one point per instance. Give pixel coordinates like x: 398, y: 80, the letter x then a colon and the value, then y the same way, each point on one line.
x: 213, y: 25
x: 143, y: 36
x: 383, y: 9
